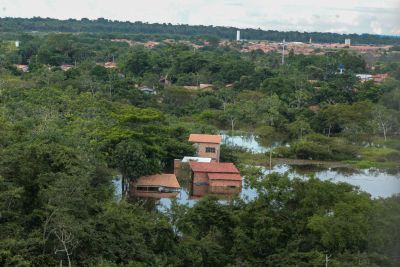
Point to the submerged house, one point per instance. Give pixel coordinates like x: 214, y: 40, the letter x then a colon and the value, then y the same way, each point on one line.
x: 207, y: 145
x: 181, y: 166
x: 156, y: 186
x: 215, y: 178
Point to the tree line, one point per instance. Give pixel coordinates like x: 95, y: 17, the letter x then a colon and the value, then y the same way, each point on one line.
x: 102, y: 25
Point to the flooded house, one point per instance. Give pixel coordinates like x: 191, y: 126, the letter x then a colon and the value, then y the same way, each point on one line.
x: 207, y: 145
x: 181, y: 165
x: 215, y: 178
x: 155, y: 186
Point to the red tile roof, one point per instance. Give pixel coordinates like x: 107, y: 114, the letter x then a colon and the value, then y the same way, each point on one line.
x: 164, y: 179
x: 224, y: 176
x: 205, y: 138
x: 213, y: 167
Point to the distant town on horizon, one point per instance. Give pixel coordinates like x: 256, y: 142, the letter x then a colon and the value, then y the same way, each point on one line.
x: 103, y: 25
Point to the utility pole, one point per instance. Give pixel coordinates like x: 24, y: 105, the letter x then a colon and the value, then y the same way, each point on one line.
x: 283, y: 52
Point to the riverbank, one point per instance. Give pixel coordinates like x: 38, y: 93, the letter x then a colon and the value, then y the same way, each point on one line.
x: 263, y: 160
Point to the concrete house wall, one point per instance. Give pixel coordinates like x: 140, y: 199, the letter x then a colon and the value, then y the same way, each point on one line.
x: 225, y: 186
x: 200, y: 178
x: 201, y: 150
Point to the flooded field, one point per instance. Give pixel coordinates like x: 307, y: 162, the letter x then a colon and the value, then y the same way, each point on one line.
x: 377, y: 183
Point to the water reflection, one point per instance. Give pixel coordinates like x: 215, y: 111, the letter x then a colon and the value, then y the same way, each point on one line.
x: 376, y: 183
x: 250, y: 142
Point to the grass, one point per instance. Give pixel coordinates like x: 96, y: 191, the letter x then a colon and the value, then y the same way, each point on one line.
x: 377, y: 157
x: 370, y: 157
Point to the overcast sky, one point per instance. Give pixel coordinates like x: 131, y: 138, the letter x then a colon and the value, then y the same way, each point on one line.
x: 343, y: 16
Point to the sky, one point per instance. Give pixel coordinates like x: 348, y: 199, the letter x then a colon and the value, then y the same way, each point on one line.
x: 342, y: 16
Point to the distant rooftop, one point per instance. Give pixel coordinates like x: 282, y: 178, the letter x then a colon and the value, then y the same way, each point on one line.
x: 213, y: 167
x: 205, y: 138
x: 164, y: 179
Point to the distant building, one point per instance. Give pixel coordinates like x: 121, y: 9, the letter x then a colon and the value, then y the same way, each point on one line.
x: 364, y: 77
x: 16, y: 43
x: 164, y: 80
x: 22, y: 67
x: 148, y: 90
x: 151, y: 44
x: 207, y: 146
x: 202, y: 86
x: 110, y: 65
x: 155, y: 186
x: 66, y: 67
x: 347, y: 41
x: 378, y: 78
x: 237, y: 35
x: 215, y: 177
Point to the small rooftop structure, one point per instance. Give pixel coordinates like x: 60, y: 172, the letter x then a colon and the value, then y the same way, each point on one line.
x: 205, y: 138
x: 195, y: 159
x: 148, y: 90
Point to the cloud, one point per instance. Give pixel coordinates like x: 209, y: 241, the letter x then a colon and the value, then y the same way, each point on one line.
x: 345, y: 16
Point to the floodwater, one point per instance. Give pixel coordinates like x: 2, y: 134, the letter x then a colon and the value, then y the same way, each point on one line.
x: 377, y: 183
x: 248, y: 142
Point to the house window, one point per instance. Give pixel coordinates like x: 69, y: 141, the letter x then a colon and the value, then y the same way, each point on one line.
x: 210, y: 149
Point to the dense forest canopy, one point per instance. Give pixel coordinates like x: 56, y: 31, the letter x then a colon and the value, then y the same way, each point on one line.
x: 65, y: 134
x: 102, y: 25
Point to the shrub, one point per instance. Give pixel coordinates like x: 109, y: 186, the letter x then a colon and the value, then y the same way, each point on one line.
x: 310, y: 150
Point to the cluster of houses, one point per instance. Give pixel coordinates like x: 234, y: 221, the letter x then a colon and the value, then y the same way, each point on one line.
x: 66, y: 67
x: 204, y: 172
x: 377, y: 78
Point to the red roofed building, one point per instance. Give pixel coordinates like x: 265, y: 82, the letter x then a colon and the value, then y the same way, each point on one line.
x: 215, y: 177
x: 207, y: 145
x: 156, y: 186
x: 378, y: 78
x: 110, y: 65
